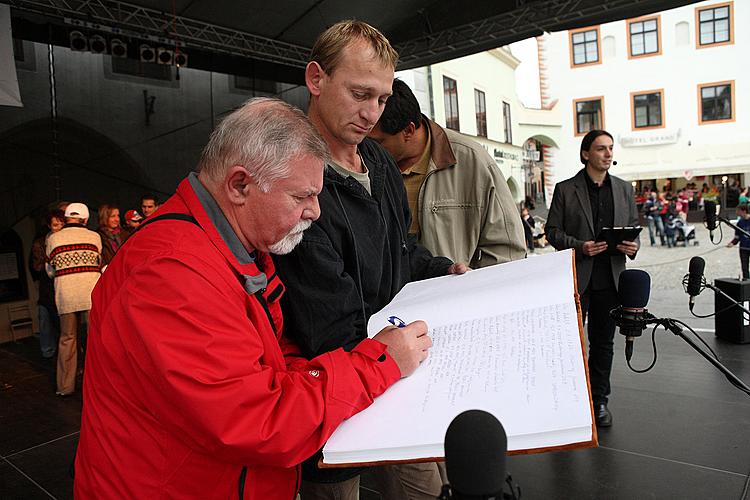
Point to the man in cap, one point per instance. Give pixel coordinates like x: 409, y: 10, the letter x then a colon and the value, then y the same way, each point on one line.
x: 133, y: 220
x: 75, y: 255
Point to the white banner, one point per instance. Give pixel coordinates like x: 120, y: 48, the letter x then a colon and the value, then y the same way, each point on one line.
x: 9, y: 94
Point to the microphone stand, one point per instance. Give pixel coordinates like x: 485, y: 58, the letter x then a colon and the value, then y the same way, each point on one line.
x: 730, y: 299
x: 673, y: 327
x: 732, y: 225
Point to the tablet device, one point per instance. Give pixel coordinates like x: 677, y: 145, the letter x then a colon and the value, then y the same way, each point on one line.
x: 614, y: 235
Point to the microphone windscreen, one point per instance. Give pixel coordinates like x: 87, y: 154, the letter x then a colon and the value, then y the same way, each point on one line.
x: 475, y: 446
x: 697, y: 266
x: 634, y: 288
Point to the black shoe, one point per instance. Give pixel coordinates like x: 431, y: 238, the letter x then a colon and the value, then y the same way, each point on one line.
x: 603, y: 415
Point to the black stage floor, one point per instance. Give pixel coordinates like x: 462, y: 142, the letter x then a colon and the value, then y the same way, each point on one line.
x: 680, y: 431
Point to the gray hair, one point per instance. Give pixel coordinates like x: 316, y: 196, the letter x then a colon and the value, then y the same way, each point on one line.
x: 263, y: 136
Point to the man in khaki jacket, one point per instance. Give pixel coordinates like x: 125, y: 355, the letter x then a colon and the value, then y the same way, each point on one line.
x: 461, y: 205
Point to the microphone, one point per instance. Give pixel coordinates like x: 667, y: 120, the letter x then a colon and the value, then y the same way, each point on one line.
x: 475, y: 447
x: 695, y: 280
x: 632, y: 317
x: 710, y: 208
x: 614, y: 162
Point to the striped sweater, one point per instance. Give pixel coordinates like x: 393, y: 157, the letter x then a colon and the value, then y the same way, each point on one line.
x: 74, y: 256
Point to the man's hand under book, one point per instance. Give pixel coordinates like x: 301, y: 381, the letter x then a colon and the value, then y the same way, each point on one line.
x: 592, y: 248
x: 407, y: 345
x: 459, y: 268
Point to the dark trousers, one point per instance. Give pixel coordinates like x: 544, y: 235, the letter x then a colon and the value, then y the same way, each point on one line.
x: 744, y: 258
x: 596, y: 304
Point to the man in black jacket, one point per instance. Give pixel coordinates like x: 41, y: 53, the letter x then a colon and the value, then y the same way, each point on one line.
x: 358, y: 254
x: 581, y: 207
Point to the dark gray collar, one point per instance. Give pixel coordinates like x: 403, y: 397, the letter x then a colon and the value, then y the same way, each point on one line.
x: 220, y: 222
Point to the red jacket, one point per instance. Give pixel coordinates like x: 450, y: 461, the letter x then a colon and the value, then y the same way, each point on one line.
x: 186, y: 382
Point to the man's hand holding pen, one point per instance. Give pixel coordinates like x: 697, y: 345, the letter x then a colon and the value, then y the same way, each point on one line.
x: 407, y: 345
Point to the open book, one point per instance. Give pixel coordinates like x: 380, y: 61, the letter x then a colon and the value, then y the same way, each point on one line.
x: 507, y: 340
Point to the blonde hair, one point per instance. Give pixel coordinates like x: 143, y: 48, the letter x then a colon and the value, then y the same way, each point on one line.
x: 263, y: 136
x: 330, y: 45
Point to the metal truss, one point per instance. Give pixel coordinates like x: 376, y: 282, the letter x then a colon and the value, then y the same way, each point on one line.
x: 127, y: 19
x: 529, y: 16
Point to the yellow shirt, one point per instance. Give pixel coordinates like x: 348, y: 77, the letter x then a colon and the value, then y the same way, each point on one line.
x: 414, y: 176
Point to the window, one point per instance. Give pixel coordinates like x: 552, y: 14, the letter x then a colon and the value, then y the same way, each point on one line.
x: 506, y: 123
x: 584, y: 46
x: 647, y: 109
x: 714, y: 25
x: 588, y: 114
x: 716, y: 102
x: 481, y: 109
x: 450, y: 97
x: 644, y: 37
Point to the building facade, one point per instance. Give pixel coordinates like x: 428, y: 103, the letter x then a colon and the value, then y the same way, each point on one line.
x: 670, y: 87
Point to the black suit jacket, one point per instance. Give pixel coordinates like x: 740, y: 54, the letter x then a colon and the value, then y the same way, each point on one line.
x: 570, y: 223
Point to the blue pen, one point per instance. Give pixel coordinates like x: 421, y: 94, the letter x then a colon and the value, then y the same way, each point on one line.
x: 396, y: 321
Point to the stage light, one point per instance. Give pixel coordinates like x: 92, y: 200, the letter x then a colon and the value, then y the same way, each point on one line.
x: 181, y: 60
x: 78, y: 41
x: 165, y: 56
x: 118, y: 48
x: 97, y: 44
x: 147, y: 53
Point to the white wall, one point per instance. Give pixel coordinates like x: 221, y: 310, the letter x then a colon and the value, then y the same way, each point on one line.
x: 711, y: 148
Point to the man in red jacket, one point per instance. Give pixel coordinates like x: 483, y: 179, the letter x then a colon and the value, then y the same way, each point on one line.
x: 190, y: 388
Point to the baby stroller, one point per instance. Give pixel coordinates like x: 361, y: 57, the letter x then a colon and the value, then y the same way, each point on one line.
x: 684, y: 231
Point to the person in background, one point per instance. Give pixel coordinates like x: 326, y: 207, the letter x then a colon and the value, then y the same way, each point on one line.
x: 668, y: 217
x: 461, y: 206
x: 743, y: 223
x: 745, y: 196
x: 652, y: 210
x: 682, y: 204
x: 133, y: 220
x: 74, y: 260
x: 528, y: 228
x: 149, y: 204
x: 112, y: 233
x: 49, y: 321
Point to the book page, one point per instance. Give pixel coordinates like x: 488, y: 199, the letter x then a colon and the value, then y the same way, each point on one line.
x: 520, y: 360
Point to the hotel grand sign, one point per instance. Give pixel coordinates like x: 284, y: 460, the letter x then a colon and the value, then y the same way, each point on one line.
x: 650, y: 138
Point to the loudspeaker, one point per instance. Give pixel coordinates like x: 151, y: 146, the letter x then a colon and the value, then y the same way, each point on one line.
x: 733, y: 324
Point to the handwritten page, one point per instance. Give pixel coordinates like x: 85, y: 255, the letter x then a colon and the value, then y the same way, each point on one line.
x: 506, y: 340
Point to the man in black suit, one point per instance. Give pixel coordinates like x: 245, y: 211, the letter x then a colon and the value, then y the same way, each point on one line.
x: 581, y: 207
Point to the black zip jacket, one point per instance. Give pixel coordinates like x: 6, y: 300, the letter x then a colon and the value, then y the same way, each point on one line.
x: 351, y: 263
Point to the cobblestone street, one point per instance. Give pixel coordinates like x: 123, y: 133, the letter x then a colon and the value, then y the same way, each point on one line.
x: 667, y: 267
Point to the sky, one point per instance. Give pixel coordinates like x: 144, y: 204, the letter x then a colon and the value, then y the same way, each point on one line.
x: 527, y: 73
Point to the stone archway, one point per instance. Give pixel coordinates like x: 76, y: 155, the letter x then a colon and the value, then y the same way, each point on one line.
x: 544, y: 168
x: 92, y: 168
